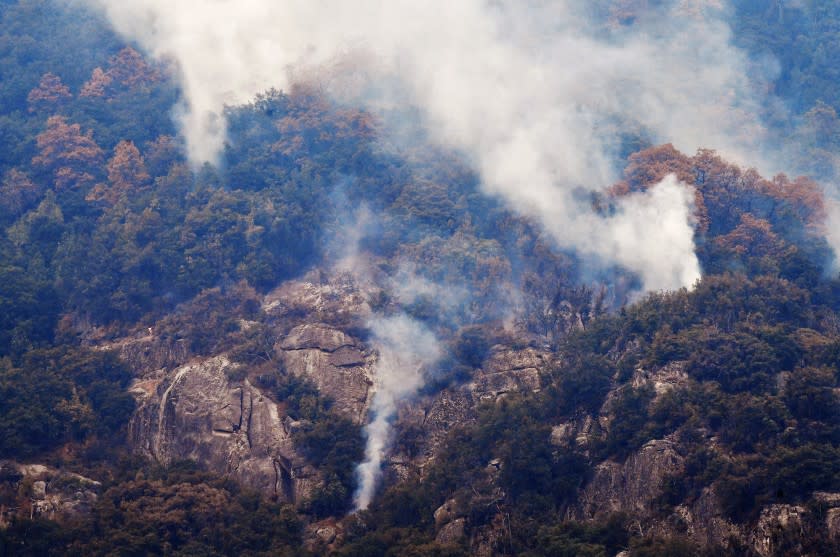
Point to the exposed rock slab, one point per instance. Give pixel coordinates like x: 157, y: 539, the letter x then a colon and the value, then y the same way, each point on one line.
x: 635, y: 484
x: 508, y: 370
x: 335, y: 362
x: 773, y: 520
x: 146, y: 354
x: 198, y: 413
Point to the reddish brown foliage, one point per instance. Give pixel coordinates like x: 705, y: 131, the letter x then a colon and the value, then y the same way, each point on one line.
x: 97, y: 85
x: 127, y: 70
x: 754, y: 237
x: 126, y: 172
x: 650, y: 166
x: 804, y: 195
x: 721, y: 185
x: 64, y: 150
x: 50, y: 93
x: 312, y: 123
x: 161, y: 154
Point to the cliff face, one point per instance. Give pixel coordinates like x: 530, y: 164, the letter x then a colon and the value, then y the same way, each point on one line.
x: 337, y: 364
x: 198, y: 412
x: 206, y: 409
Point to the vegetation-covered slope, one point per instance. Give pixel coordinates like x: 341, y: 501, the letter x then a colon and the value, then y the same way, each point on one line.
x: 106, y: 232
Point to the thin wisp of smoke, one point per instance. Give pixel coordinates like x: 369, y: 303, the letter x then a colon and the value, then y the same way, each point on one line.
x: 405, y: 349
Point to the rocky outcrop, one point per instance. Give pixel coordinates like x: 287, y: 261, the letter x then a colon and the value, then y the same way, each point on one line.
x: 148, y: 353
x: 424, y: 423
x: 578, y: 431
x: 452, y: 533
x: 705, y: 522
x: 507, y: 370
x: 339, y: 301
x: 774, y: 520
x: 46, y: 492
x: 336, y: 363
x: 831, y: 503
x: 197, y: 412
x: 634, y: 485
x: 662, y: 379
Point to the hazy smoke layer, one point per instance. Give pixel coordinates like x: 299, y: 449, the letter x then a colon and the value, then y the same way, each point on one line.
x: 405, y: 348
x: 530, y: 90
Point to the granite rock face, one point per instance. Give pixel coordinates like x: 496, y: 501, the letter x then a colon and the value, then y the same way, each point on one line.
x: 206, y: 409
x: 425, y: 421
x: 634, y: 485
x: 773, y: 521
x: 148, y: 353
x: 508, y: 370
x: 198, y: 412
x: 337, y: 364
x: 212, y: 410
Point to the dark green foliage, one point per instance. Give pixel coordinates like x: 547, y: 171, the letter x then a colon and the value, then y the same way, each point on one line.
x: 630, y: 417
x: 738, y: 362
x: 29, y: 309
x: 531, y: 472
x: 573, y: 539
x: 659, y: 547
x: 329, y: 441
x: 61, y: 395
x: 472, y: 346
x: 756, y: 415
x: 583, y: 383
x: 179, y: 511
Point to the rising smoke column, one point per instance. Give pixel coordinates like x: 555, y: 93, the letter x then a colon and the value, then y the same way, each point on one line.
x: 405, y: 349
x: 524, y: 88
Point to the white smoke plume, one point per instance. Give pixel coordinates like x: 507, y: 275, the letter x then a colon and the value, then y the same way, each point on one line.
x: 526, y: 89
x: 405, y: 348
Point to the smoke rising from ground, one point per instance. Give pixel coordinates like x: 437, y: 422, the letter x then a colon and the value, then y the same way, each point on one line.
x: 530, y: 91
x: 405, y: 348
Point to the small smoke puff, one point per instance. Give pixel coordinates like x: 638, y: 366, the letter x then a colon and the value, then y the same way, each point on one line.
x: 405, y: 348
x: 345, y: 247
x: 408, y: 286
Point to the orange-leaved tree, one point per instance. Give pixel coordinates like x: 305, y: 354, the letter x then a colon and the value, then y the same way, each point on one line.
x: 126, y: 173
x: 70, y: 156
x: 49, y: 94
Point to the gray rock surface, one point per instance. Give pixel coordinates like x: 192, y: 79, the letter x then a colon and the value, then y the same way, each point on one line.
x: 149, y: 353
x: 634, y: 485
x: 832, y: 516
x: 452, y: 533
x: 197, y: 412
x: 508, y: 370
x: 336, y: 363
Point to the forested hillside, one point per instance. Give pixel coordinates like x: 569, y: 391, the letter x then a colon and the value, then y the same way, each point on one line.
x: 195, y: 357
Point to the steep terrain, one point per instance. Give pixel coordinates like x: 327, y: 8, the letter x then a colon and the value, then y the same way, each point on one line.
x: 195, y: 360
